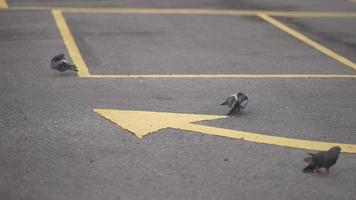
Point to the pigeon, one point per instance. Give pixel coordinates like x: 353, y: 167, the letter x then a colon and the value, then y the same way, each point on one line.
x: 61, y: 64
x: 237, y: 102
x: 323, y: 159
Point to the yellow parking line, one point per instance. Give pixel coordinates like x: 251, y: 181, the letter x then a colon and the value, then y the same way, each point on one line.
x: 308, y: 41
x: 70, y: 43
x: 3, y: 4
x: 307, y: 14
x: 223, y: 76
x: 190, y: 11
x: 84, y: 72
x: 141, y: 123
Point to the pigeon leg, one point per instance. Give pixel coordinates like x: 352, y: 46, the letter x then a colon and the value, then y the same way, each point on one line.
x: 316, y: 171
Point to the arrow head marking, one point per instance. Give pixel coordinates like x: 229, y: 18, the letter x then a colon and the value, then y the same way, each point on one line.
x: 142, y: 123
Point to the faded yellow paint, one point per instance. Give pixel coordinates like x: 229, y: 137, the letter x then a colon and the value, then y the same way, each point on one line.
x: 70, y: 44
x: 222, y: 76
x: 268, y: 139
x: 142, y: 123
x: 3, y: 4
x: 308, y: 41
x: 189, y: 11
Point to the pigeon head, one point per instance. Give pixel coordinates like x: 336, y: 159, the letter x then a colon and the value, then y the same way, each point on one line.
x: 335, y: 150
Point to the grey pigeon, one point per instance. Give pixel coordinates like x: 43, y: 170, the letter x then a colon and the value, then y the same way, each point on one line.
x: 60, y: 63
x: 323, y: 159
x: 237, y: 102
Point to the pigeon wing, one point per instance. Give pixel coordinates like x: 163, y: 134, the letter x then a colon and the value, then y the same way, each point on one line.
x: 225, y: 102
x: 309, y: 168
x: 58, y: 57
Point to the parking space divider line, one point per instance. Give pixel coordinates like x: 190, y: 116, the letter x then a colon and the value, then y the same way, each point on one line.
x: 308, y: 41
x: 69, y: 41
x: 223, y: 76
x: 83, y: 70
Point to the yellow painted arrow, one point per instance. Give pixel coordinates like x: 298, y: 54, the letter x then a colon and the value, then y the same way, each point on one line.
x: 142, y: 123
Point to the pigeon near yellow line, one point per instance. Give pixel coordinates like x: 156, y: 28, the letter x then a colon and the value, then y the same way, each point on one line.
x: 322, y: 159
x: 237, y: 102
x: 61, y: 64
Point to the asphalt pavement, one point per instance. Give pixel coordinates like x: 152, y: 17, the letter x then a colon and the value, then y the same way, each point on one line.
x: 54, y: 146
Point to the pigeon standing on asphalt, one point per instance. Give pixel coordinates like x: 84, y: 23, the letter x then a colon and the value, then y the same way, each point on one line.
x: 236, y: 102
x: 323, y: 159
x: 60, y: 63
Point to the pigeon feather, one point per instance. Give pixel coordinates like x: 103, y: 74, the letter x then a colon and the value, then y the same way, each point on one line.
x: 236, y: 102
x: 322, y: 159
x: 61, y: 64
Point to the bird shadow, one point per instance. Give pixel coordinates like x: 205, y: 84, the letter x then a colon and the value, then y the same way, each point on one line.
x: 239, y: 114
x: 65, y: 74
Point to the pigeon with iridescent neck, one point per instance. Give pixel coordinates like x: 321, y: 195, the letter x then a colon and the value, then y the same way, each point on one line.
x: 237, y: 102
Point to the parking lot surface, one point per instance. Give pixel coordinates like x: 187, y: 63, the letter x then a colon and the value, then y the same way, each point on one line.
x: 295, y: 60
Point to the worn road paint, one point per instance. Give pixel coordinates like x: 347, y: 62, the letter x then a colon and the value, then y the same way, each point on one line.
x: 70, y: 44
x: 224, y: 76
x: 3, y: 4
x: 142, y: 123
x: 308, y: 41
x: 189, y: 11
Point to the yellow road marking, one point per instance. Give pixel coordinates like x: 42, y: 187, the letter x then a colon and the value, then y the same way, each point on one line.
x: 190, y: 11
x: 70, y: 43
x: 142, y: 123
x: 308, y: 41
x: 84, y: 71
x: 224, y: 76
x: 3, y: 4
x: 148, y: 122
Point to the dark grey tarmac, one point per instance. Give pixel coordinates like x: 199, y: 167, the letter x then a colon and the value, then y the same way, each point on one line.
x: 53, y: 146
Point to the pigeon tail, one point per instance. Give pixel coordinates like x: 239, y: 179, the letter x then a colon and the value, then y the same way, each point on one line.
x: 309, y: 168
x: 225, y: 103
